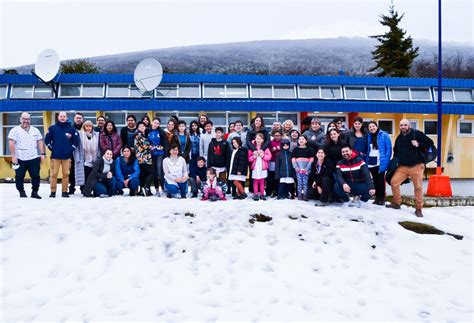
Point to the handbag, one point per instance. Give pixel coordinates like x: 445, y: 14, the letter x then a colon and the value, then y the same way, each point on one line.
x: 428, y: 154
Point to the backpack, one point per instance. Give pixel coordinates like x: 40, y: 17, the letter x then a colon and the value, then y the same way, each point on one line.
x: 427, y: 154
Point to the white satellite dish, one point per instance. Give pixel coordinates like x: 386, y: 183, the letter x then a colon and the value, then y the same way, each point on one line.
x: 148, y: 74
x: 47, y: 65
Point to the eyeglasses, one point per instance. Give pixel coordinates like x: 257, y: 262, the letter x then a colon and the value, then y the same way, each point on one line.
x: 26, y: 119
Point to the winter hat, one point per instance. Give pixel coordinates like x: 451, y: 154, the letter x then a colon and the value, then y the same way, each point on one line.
x: 284, y: 141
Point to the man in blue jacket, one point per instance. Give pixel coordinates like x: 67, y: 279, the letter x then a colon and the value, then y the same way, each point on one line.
x: 61, y: 139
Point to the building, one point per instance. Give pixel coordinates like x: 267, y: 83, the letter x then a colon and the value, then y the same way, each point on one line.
x: 227, y: 98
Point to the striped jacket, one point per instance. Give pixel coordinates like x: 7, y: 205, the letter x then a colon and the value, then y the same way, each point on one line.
x: 353, y: 171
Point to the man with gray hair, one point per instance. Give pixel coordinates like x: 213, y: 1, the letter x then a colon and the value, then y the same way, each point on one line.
x: 24, y: 142
x: 61, y: 139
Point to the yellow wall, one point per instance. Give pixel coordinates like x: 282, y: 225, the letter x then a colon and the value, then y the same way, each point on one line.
x: 462, y: 148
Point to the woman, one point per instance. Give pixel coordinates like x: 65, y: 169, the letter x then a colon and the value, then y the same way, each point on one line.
x: 147, y: 122
x: 331, y: 125
x: 87, y: 152
x: 194, y: 137
x: 184, y: 141
x: 358, y: 136
x: 378, y: 157
x: 287, y: 126
x: 322, y: 177
x: 257, y: 125
x: 170, y: 137
x: 238, y: 168
x: 203, y: 119
x: 333, y: 146
x: 156, y: 138
x: 127, y: 171
x: 110, y: 139
x: 176, y: 173
x: 101, y: 179
x: 143, y: 153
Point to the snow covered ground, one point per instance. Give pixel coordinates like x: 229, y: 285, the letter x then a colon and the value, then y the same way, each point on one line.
x: 139, y: 259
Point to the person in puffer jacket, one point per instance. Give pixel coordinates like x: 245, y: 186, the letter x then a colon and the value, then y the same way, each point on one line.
x: 284, y: 171
x: 62, y: 139
x: 353, y: 177
x: 213, y: 188
x: 301, y: 158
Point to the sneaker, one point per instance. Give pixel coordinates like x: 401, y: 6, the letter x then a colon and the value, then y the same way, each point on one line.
x: 418, y: 213
x: 157, y: 194
x: 52, y: 195
x: 318, y: 203
x: 263, y: 198
x: 64, y: 194
x: 168, y: 195
x: 132, y: 193
x: 280, y: 198
x: 393, y: 206
x: 243, y: 196
x: 120, y: 192
x: 35, y: 195
x: 23, y: 194
x: 256, y: 197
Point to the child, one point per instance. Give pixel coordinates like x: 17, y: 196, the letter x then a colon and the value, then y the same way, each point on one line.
x: 294, y: 135
x: 197, y: 176
x: 213, y: 189
x: 302, y: 158
x: 259, y: 165
x: 275, y: 148
x: 284, y: 171
x: 238, y: 168
x: 218, y: 154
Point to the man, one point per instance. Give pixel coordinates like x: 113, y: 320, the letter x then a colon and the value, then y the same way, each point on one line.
x: 353, y: 177
x: 100, y: 124
x: 127, y: 134
x: 78, y: 121
x: 238, y: 132
x: 24, y: 142
x: 61, y: 139
x: 411, y: 164
x: 315, y: 135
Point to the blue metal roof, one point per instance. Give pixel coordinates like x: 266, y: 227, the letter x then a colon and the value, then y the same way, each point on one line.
x: 230, y: 105
x: 259, y: 79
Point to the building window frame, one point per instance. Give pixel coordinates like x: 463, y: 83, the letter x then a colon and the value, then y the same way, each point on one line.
x: 390, y: 88
x: 393, y: 125
x: 424, y: 126
x: 344, y: 88
x: 465, y: 135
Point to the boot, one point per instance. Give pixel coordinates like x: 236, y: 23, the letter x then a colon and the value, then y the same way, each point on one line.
x: 64, y: 194
x: 148, y: 192
x: 393, y: 206
x: 23, y: 194
x: 52, y: 195
x: 418, y: 213
x: 35, y: 195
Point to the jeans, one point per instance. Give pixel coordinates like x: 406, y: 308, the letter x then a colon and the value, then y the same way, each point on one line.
x: 182, y: 188
x: 158, y: 176
x: 33, y: 168
x: 361, y: 189
x: 132, y: 185
x: 105, y: 187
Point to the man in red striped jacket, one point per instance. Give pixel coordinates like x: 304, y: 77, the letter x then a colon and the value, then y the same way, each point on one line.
x: 353, y: 177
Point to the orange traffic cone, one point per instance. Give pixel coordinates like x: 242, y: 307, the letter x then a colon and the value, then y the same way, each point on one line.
x: 439, y: 185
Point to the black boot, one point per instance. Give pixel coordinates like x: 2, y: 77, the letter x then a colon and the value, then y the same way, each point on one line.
x: 23, y: 194
x: 35, y: 195
x: 148, y: 192
x: 64, y: 194
x: 52, y: 195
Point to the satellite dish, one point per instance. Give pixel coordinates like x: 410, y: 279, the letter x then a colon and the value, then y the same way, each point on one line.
x: 47, y: 65
x: 148, y: 74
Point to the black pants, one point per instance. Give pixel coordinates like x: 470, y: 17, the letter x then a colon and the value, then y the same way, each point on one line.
x: 72, y: 177
x: 33, y: 168
x: 272, y: 184
x: 379, y: 183
x: 146, y: 175
x: 327, y: 184
x: 87, y: 171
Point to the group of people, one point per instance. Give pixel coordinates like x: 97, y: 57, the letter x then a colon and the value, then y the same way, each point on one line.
x: 328, y: 166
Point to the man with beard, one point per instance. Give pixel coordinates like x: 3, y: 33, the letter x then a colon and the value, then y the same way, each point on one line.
x: 77, y: 124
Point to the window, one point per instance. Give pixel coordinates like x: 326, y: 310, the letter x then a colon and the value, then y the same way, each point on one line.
x: 236, y: 91
x: 376, y: 93
x: 43, y: 92
x: 92, y: 90
x: 21, y: 92
x: 242, y: 116
x: 81, y: 90
x: 420, y: 94
x: 124, y: 91
x: 284, y: 92
x: 466, y: 128
x: 261, y: 91
x: 10, y: 120
x: 189, y: 91
x: 309, y: 92
x: 400, y: 94
x: 213, y: 91
x: 331, y: 92
x: 3, y: 91
x: 70, y: 90
x: 414, y: 124
x: 463, y: 95
x: 355, y: 93
x: 448, y: 95
x: 168, y: 91
x: 386, y: 125
x: 430, y: 127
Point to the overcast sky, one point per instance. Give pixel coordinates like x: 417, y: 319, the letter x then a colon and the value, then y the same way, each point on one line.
x: 101, y: 27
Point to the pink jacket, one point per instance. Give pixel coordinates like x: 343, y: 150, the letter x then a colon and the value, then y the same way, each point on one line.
x: 266, y: 158
x: 274, y: 144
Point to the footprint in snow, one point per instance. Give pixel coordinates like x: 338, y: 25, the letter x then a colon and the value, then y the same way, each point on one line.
x: 113, y: 253
x: 61, y: 237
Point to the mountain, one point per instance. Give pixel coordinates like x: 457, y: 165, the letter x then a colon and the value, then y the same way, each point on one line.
x: 308, y: 57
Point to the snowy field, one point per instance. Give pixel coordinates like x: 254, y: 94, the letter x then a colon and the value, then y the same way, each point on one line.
x: 140, y: 259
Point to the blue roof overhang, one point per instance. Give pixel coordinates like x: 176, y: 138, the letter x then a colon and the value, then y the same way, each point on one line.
x: 13, y: 105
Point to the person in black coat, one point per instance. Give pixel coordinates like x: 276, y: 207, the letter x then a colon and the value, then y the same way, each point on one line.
x: 238, y: 166
x: 334, y: 143
x: 284, y: 171
x: 321, y: 178
x: 257, y: 125
x: 218, y: 154
x: 197, y: 175
x: 101, y: 180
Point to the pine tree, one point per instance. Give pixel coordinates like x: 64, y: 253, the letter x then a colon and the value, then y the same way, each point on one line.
x: 79, y: 66
x: 395, y: 53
